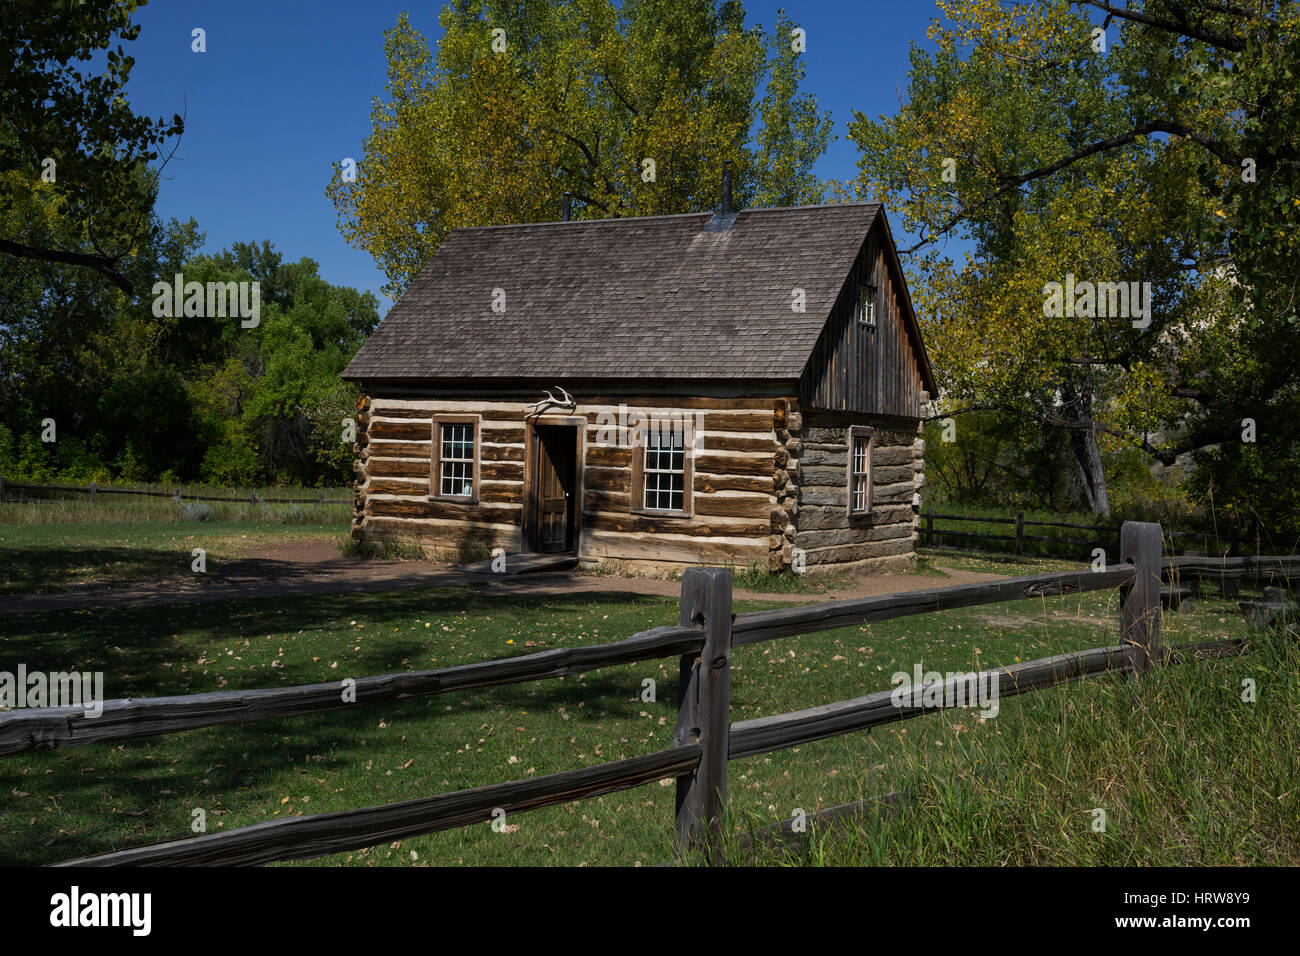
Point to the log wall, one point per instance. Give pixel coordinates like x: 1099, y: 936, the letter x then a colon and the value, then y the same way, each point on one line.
x: 733, y: 494
x: 815, y: 499
x: 769, y: 478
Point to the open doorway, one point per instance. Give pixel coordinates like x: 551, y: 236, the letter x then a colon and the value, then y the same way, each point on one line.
x: 553, y: 489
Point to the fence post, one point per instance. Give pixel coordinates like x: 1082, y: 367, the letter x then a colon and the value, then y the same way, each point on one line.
x: 2, y: 487
x: 176, y: 495
x: 1139, y: 544
x: 1020, y: 532
x: 703, y: 713
x: 929, y: 526
x: 93, y: 486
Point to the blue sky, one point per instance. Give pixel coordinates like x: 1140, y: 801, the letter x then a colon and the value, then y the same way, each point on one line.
x: 285, y: 89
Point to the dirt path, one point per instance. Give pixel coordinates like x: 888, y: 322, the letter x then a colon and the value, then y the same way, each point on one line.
x: 314, y: 566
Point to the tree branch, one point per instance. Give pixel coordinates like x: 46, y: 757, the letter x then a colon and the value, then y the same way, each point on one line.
x: 1224, y: 41
x: 104, y: 265
x: 1015, y: 182
x: 1166, y: 456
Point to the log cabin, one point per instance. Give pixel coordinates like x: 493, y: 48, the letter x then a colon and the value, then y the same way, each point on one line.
x: 731, y: 388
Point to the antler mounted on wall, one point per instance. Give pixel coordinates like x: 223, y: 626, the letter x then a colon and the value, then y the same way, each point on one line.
x: 566, y: 401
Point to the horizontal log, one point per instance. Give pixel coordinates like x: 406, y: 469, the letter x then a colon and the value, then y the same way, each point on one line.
x: 437, y: 531
x: 397, y: 468
x: 763, y: 444
x: 675, y: 549
x: 605, y: 479
x: 402, y: 431
x: 398, y: 486
x: 393, y: 508
x: 663, y: 399
x: 609, y: 456
x: 387, y: 411
x: 707, y: 484
x: 758, y: 626
x: 301, y: 838
x: 502, y: 433
x: 44, y: 727
x: 811, y: 541
x: 757, y: 420
x: 813, y: 517
x: 400, y: 449
x: 501, y: 470
x: 498, y: 454
x: 735, y: 506
x: 899, y: 544
x: 694, y: 527
x: 780, y: 731
x: 728, y: 506
x: 738, y: 464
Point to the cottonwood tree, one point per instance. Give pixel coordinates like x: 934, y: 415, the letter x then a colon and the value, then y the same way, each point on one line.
x: 70, y: 131
x: 1168, y: 154
x: 631, y: 107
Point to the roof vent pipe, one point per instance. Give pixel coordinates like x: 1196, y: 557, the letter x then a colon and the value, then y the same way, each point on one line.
x: 726, y: 187
x: 566, y: 206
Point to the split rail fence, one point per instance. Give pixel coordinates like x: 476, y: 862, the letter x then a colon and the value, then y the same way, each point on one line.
x: 705, y: 739
x: 1050, y: 545
x: 24, y: 492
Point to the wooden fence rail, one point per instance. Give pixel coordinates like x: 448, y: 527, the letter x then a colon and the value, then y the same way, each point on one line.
x: 25, y: 730
x: 8, y: 487
x: 300, y: 838
x: 704, y: 738
x: 1105, y: 535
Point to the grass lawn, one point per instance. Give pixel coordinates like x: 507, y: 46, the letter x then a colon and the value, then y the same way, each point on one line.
x: 1050, y: 766
x: 37, y: 558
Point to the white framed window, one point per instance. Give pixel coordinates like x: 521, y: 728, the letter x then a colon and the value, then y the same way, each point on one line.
x: 662, y: 470
x: 860, y: 447
x: 455, y: 458
x: 866, y: 308
x: 665, y: 470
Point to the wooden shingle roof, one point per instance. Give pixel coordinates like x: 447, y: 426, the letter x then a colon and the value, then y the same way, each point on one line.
x: 655, y: 297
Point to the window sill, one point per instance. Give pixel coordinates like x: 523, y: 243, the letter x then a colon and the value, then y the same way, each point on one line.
x: 655, y: 513
x: 454, y: 499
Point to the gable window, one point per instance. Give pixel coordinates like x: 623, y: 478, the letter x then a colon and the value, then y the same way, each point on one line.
x: 860, y: 471
x: 454, y: 469
x: 866, y: 310
x: 662, y: 470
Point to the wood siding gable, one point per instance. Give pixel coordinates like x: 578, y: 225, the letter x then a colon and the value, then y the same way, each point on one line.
x: 872, y: 370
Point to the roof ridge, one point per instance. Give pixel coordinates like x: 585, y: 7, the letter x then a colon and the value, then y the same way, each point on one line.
x: 664, y: 216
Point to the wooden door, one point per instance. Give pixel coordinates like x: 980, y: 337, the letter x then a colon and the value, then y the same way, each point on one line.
x: 555, y: 487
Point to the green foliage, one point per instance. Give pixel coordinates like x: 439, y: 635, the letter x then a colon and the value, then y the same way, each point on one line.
x: 576, y: 98
x: 1000, y: 460
x: 1123, y: 165
x: 136, y: 397
x: 53, y: 106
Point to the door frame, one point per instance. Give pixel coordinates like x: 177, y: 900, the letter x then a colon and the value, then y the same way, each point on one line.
x: 532, y: 445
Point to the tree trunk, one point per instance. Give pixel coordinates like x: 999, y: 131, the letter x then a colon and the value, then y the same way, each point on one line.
x: 1083, y: 442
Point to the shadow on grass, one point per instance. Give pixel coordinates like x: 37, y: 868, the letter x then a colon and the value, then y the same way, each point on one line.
x: 243, y: 765
x: 33, y: 570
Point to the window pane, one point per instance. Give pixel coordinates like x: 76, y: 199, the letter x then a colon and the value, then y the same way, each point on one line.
x: 860, y: 474
x: 456, y: 461
x: 665, y: 467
